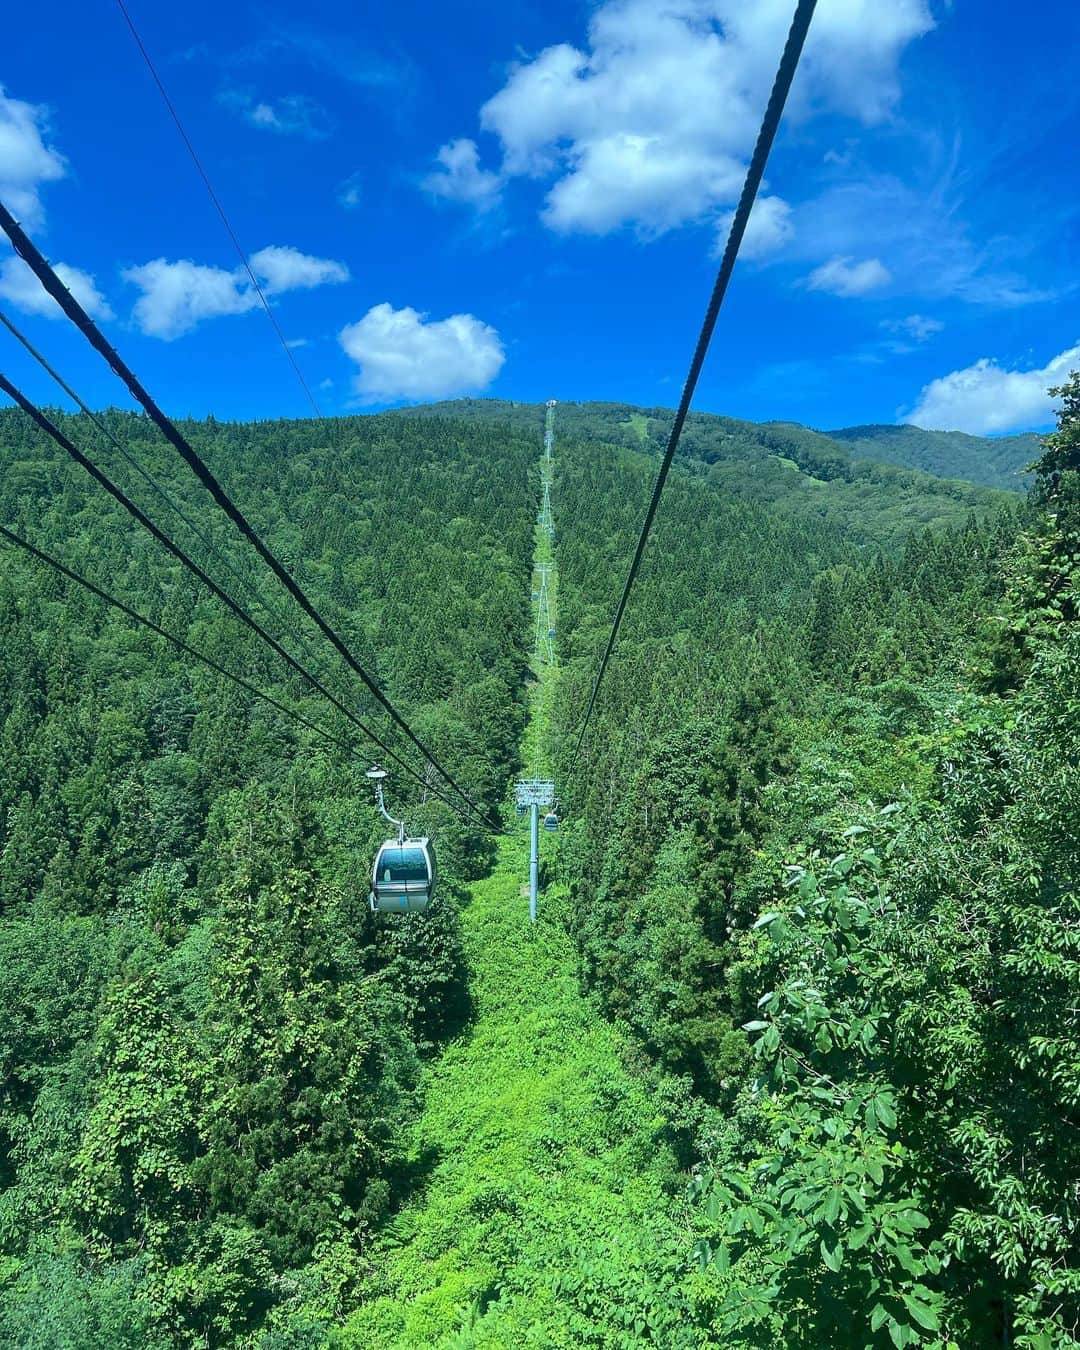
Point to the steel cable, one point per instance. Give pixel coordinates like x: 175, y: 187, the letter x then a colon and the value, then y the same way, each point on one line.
x: 75, y: 312
x: 220, y: 209
x: 51, y: 430
x: 789, y: 63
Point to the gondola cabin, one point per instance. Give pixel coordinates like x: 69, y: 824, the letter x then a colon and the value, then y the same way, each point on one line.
x: 551, y: 821
x: 403, y: 879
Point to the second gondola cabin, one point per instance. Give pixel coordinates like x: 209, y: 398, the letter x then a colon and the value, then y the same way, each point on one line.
x: 404, y: 876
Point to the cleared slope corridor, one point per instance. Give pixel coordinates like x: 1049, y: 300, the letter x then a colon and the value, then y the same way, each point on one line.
x: 548, y: 1217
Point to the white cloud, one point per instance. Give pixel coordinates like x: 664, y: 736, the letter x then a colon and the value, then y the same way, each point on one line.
x: 20, y: 287
x: 287, y: 269
x: 25, y: 160
x: 918, y: 223
x: 984, y: 398
x: 652, y: 122
x: 349, y: 194
x: 626, y: 177
x: 402, y: 355
x: 178, y: 295
x: 292, y: 115
x: 917, y: 326
x: 460, y: 177
x: 852, y: 53
x: 846, y: 277
x: 769, y: 228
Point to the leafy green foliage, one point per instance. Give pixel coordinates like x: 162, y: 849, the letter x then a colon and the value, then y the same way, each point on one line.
x: 875, y: 1006
x: 209, y: 1047
x: 544, y: 1219
x: 818, y: 869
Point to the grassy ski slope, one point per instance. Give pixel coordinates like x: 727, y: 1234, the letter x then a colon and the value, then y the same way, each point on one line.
x: 547, y: 1217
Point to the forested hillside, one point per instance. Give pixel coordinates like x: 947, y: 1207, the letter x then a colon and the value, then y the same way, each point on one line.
x: 495, y: 875
x: 797, y: 472
x: 824, y: 861
x: 208, y: 1046
x: 790, y: 1059
x: 997, y: 461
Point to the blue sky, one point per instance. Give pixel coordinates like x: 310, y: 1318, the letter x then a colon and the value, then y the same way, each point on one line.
x: 523, y: 199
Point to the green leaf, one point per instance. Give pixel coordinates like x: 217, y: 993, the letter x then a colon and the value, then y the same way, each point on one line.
x: 831, y: 1210
x: 878, y: 1314
x: 923, y: 1313
x: 858, y: 1236
x: 901, y: 1334
x: 768, y: 917
x: 754, y: 1026
x: 833, y: 1259
x: 908, y: 1220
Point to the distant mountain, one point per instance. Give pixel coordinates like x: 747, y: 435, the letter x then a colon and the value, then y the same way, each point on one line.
x: 793, y: 471
x: 996, y: 462
x: 993, y: 461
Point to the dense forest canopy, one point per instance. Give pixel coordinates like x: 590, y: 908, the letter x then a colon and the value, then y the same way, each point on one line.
x: 209, y: 1047
x: 826, y: 858
x: 817, y: 871
x: 998, y: 461
x: 749, y: 456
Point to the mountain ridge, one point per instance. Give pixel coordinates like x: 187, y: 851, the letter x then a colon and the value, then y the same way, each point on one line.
x: 993, y: 462
x: 797, y: 473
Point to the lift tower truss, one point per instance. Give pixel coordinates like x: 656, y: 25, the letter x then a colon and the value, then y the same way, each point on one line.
x: 532, y: 794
